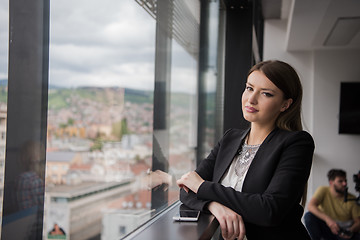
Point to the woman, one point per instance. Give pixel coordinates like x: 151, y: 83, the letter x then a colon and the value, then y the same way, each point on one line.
x: 253, y: 180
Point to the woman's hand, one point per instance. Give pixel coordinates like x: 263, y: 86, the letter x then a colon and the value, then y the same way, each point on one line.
x: 231, y: 224
x: 190, y: 180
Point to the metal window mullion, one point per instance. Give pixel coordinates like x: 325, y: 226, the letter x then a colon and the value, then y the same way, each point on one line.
x: 161, y: 128
x: 27, y: 105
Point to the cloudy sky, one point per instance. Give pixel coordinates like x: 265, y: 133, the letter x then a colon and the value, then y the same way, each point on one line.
x: 103, y: 43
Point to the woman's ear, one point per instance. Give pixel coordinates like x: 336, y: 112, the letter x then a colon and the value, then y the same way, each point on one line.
x: 287, y: 103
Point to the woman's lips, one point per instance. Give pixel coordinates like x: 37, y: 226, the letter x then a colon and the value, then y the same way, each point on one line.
x: 250, y: 109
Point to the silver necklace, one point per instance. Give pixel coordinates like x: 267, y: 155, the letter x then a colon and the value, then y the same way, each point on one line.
x: 245, y: 156
x: 246, y: 152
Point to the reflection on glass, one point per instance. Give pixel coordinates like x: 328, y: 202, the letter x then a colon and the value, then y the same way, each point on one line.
x: 155, y: 179
x: 183, y: 115
x: 29, y: 185
x: 4, y: 38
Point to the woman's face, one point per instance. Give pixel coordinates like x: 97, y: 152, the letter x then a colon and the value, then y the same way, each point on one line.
x: 262, y: 101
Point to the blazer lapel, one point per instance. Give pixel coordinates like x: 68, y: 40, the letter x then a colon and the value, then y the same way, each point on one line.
x: 252, y: 171
x: 227, y: 156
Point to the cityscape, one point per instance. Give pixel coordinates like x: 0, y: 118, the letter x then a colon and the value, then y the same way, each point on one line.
x: 99, y: 155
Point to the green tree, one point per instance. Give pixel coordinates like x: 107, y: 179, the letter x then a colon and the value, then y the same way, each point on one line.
x: 124, y: 127
x: 119, y: 129
x: 97, y: 145
x: 116, y: 130
x: 70, y: 122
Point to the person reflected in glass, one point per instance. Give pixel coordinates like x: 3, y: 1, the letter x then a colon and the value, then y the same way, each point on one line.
x: 30, y: 186
x: 157, y: 178
x: 253, y: 180
x: 30, y: 183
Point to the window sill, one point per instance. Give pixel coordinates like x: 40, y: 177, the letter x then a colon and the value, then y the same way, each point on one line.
x: 163, y: 227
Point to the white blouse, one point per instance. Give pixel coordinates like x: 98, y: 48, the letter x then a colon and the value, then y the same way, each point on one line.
x: 235, y: 175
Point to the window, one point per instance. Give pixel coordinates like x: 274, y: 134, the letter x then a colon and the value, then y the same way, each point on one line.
x: 116, y: 104
x: 103, y: 86
x: 100, y: 113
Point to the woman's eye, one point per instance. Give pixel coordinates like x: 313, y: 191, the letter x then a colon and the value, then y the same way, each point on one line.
x: 248, y: 88
x: 268, y: 94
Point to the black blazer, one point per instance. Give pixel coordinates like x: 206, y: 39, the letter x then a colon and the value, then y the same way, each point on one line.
x: 272, y: 188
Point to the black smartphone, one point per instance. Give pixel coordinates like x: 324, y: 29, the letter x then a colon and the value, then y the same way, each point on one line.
x: 187, y: 216
x: 345, y: 232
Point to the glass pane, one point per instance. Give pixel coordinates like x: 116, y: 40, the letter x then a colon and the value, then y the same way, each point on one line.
x: 102, y: 91
x: 100, y: 119
x: 176, y: 108
x: 183, y: 115
x: 213, y: 82
x: 102, y: 86
x: 4, y: 38
x: 210, y: 102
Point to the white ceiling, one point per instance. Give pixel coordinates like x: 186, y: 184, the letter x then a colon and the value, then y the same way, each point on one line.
x: 312, y: 23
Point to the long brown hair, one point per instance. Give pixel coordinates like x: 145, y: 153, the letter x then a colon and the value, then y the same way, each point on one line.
x: 287, y: 80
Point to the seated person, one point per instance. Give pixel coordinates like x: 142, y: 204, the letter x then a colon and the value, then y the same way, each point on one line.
x: 329, y: 216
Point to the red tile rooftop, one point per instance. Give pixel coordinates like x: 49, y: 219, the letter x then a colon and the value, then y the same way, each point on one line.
x: 80, y: 167
x: 142, y: 196
x: 139, y: 168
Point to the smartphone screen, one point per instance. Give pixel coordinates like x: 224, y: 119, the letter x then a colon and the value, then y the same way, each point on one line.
x: 187, y: 215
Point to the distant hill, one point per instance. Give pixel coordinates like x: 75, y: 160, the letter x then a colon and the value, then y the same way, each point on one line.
x: 138, y: 96
x: 65, y: 97
x: 59, y: 97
